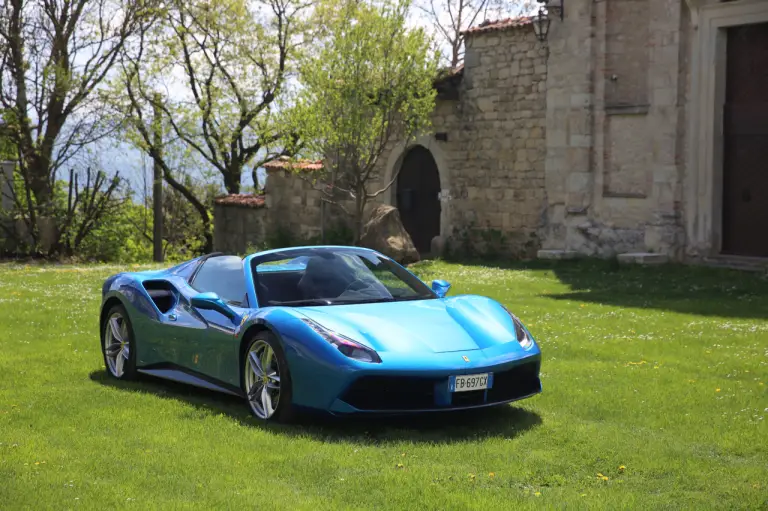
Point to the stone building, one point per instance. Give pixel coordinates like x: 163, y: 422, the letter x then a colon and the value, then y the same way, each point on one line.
x: 633, y: 127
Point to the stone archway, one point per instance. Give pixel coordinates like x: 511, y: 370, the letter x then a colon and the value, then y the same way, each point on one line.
x: 417, y: 193
x: 394, y: 166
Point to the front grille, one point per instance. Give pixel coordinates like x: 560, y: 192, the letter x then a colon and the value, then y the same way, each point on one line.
x: 382, y: 393
x: 469, y: 398
x: 515, y: 383
x: 392, y: 393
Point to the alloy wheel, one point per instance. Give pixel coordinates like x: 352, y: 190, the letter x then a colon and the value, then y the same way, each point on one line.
x: 262, y: 379
x: 117, y: 344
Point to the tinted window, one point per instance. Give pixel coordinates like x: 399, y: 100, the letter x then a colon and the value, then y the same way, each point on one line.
x: 224, y: 276
x: 329, y: 276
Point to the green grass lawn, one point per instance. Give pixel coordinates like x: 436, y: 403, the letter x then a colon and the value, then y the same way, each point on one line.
x: 655, y: 396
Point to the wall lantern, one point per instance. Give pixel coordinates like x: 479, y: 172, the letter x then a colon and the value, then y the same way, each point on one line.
x: 554, y: 7
x: 542, y: 20
x: 541, y: 24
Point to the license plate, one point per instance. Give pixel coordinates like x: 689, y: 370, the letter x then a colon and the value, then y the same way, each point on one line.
x: 467, y: 382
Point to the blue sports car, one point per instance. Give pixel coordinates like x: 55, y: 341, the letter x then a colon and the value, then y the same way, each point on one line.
x: 339, y: 329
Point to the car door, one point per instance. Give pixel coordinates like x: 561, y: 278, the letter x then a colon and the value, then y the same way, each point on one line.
x: 214, y: 350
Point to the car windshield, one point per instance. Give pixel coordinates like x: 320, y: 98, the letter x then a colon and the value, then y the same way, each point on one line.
x: 333, y: 276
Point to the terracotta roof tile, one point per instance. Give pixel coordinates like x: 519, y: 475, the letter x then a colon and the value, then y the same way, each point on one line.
x: 287, y: 163
x: 248, y: 200
x: 492, y: 26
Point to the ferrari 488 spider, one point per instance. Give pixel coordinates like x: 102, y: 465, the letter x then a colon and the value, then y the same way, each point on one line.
x: 339, y: 329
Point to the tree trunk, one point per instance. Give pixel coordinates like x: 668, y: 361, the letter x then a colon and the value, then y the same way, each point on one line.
x: 358, y: 214
x: 39, y: 184
x: 157, y: 186
x: 232, y: 180
x: 208, y: 235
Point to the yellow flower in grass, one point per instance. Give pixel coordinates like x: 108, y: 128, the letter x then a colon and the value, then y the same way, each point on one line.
x: 622, y: 468
x: 491, y: 475
x: 538, y: 494
x: 399, y: 465
x: 717, y: 390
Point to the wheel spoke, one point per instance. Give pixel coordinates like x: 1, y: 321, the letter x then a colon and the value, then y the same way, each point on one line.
x: 126, y: 353
x: 115, y: 328
x: 113, y: 349
x: 266, y: 401
x: 274, y: 377
x: 267, y: 355
x: 255, y: 363
x: 255, y: 390
x: 119, y: 364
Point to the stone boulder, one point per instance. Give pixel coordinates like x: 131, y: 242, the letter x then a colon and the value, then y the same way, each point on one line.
x: 385, y: 233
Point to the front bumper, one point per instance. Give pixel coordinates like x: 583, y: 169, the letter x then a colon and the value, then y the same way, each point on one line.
x: 413, y: 393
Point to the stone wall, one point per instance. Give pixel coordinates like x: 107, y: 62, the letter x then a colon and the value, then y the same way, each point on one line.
x: 295, y: 207
x: 501, y: 184
x: 576, y: 144
x: 239, y: 226
x: 615, y: 128
x: 493, y: 161
x: 293, y: 204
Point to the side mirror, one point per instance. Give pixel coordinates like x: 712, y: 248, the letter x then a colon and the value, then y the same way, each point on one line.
x: 211, y: 301
x: 441, y: 287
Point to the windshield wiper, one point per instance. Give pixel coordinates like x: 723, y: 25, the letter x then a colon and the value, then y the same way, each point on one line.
x: 412, y: 298
x: 363, y: 300
x: 310, y: 301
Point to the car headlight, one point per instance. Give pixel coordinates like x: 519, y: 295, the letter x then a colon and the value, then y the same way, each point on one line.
x: 344, y: 344
x: 523, y: 337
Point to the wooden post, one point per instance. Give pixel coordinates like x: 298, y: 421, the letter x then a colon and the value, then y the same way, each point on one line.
x: 157, y: 185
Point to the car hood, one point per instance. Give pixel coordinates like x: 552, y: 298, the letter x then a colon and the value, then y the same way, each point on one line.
x: 459, y: 323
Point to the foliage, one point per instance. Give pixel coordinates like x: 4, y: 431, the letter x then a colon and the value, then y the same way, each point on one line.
x: 218, y: 72
x: 55, y: 56
x: 77, y: 206
x: 368, y: 85
x: 660, y: 371
x: 123, y: 231
x: 117, y: 238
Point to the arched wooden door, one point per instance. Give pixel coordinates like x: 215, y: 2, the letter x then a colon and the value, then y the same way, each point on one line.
x: 418, y: 190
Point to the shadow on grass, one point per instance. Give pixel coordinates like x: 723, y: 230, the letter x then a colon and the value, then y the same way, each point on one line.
x: 441, y: 427
x: 677, y: 288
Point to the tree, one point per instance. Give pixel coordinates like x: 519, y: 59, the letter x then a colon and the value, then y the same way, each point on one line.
x: 450, y: 18
x: 140, y: 108
x: 53, y: 55
x: 368, y: 85
x: 224, y: 67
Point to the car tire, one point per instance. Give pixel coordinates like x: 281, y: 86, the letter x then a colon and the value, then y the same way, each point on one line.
x: 253, y: 383
x: 118, y: 344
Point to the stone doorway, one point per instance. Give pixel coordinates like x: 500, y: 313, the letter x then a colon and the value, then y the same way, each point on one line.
x: 745, y: 143
x: 418, y: 197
